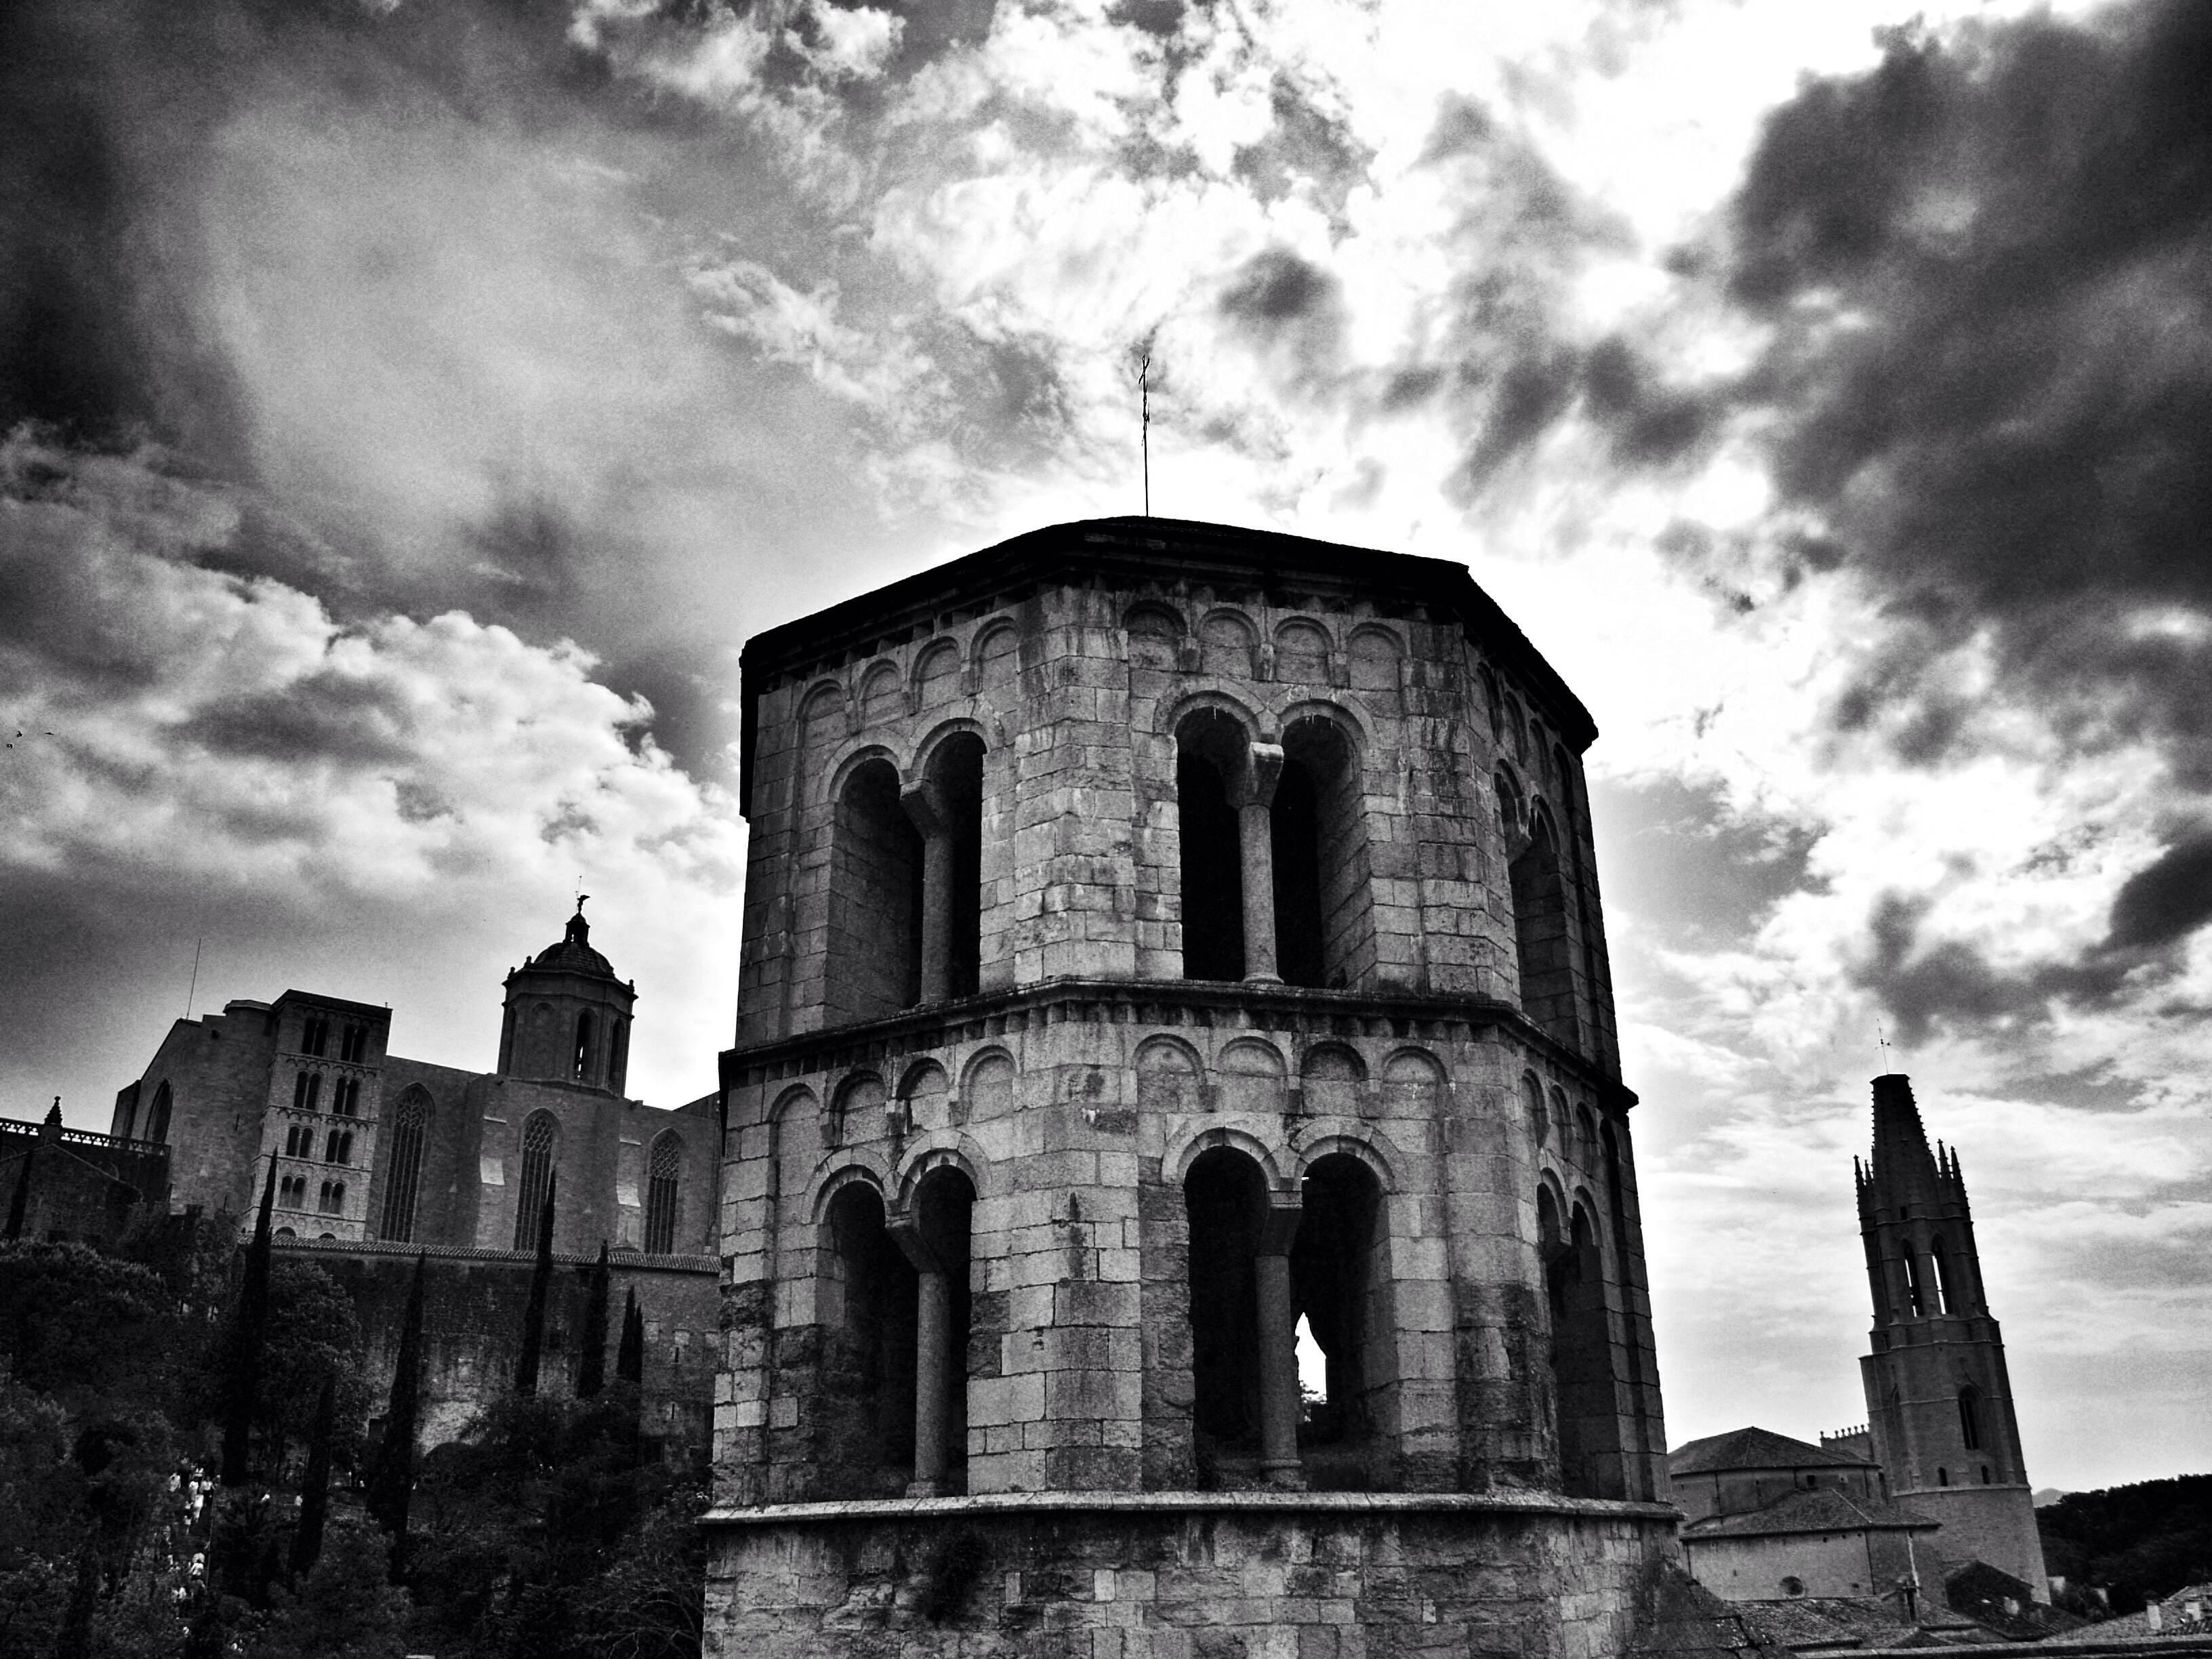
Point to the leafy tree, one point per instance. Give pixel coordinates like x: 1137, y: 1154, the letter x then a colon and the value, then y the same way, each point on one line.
x: 629, y: 1362
x: 312, y: 1337
x: 80, y: 1326
x: 2137, y: 1542
x: 345, y: 1606
x: 315, y: 1489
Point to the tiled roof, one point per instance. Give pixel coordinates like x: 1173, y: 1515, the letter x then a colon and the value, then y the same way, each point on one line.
x: 1822, y: 1509
x: 1757, y: 1449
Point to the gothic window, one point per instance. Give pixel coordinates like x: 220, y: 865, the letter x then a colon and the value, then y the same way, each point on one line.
x: 1225, y: 1198
x: 1970, y: 1417
x: 1211, y: 756
x: 541, y: 1137
x: 1946, y: 1292
x: 403, y: 1177
x: 662, y: 1168
x: 867, y: 1308
x: 580, y: 1065
x: 1915, y: 1285
x: 1324, y: 923
x: 157, y: 1125
x: 338, y: 1148
x: 875, y: 899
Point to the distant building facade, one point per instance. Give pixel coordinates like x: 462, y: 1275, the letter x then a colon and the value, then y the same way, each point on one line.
x: 1767, y: 1518
x: 379, y: 1157
x: 61, y: 1183
x: 1939, y: 1400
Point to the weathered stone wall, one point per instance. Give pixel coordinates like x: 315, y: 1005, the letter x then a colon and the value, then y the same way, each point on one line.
x: 472, y: 1312
x: 1076, y: 1116
x: 91, y: 1188
x: 1242, y: 1577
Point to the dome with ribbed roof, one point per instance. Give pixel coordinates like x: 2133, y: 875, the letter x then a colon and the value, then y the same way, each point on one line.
x: 573, y: 953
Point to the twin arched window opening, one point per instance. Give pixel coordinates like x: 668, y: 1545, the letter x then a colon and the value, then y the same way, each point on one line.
x: 1275, y: 878
x: 906, y: 885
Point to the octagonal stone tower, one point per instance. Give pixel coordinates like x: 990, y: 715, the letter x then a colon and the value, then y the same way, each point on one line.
x: 1173, y: 974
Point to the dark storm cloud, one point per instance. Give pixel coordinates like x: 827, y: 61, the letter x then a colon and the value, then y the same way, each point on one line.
x: 1293, y: 310
x: 2167, y: 899
x: 1988, y: 266
x: 322, y: 716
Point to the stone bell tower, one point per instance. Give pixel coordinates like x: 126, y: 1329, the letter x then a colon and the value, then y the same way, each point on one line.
x: 1939, y: 1401
x: 1172, y: 962
x: 567, y: 1015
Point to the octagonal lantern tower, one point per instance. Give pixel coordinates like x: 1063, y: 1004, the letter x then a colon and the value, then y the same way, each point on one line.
x: 1178, y: 1171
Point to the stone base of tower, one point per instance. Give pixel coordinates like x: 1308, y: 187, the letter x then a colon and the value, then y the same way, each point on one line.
x: 1993, y: 1524
x: 1184, y: 1575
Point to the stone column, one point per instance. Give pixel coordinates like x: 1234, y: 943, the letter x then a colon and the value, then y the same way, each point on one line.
x: 1263, y: 770
x: 1278, y: 1354
x: 932, y: 1337
x: 925, y: 810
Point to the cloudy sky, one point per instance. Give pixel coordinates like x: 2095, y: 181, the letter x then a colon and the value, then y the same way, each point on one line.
x: 409, y: 408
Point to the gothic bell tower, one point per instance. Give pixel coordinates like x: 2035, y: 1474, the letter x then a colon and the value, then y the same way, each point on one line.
x: 1938, y: 1398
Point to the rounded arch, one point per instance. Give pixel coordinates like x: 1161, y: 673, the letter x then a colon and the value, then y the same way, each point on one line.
x: 880, y: 698
x: 1276, y: 1164
x: 1252, y: 1056
x: 1354, y: 723
x: 1228, y: 642
x: 926, y: 753
x: 823, y: 701
x: 1169, y: 1075
x: 1330, y: 1058
x: 918, y: 1077
x: 837, y: 776
x: 1361, y: 1144
x: 856, y: 1165
x: 1253, y: 1075
x: 1494, y: 707
x: 1236, y: 705
x: 1374, y: 652
x: 949, y: 1150
x: 1511, y: 817
x: 1540, y: 1116
x: 993, y: 653
x: 1303, y: 646
x: 936, y: 672
x: 789, y: 1101
x: 157, y: 1122
x: 1155, y: 631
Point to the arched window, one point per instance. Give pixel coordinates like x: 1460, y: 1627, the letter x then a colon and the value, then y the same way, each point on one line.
x: 874, y: 965
x: 1226, y: 1197
x: 403, y: 1177
x: 331, y: 1199
x: 345, y: 1097
x: 1970, y: 1417
x: 617, y: 1052
x: 1539, y: 931
x: 299, y: 1140
x: 1340, y: 1285
x: 580, y: 1064
x: 1324, y: 924
x: 339, y: 1147
x: 662, y: 1168
x: 292, y: 1193
x: 1945, y: 1292
x: 354, y: 1046
x: 944, y: 1206
x: 866, y: 1306
x: 1211, y: 759
x: 541, y: 1137
x: 1588, y: 1412
x: 1539, y: 1121
x: 157, y: 1124
x: 952, y: 857
x: 314, y: 1037
x: 1915, y: 1289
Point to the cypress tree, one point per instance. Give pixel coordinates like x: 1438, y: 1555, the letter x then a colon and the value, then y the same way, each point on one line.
x: 391, y: 1479
x: 22, y: 1202
x: 591, y: 1373
x: 541, y: 1282
x: 315, y: 1494
x: 629, y: 1362
x: 246, y: 1338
